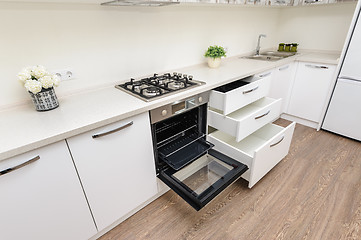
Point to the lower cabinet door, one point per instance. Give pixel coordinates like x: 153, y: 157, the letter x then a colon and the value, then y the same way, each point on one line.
x: 260, y: 151
x: 202, y: 180
x: 116, y: 167
x: 41, y: 197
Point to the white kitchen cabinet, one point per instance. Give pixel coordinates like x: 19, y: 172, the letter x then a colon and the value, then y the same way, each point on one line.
x: 280, y: 2
x: 309, y: 91
x: 281, y: 84
x: 313, y: 2
x: 235, y: 95
x: 256, y: 2
x: 254, y: 116
x: 116, y: 167
x: 260, y: 151
x: 43, y: 199
x: 246, y: 134
x: 58, y: 1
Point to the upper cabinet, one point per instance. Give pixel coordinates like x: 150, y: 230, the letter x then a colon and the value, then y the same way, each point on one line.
x: 57, y: 1
x: 237, y: 2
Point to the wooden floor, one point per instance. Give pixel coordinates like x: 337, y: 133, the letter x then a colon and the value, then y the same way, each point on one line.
x: 314, y: 193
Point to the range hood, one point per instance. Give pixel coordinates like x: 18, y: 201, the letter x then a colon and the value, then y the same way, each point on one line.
x: 147, y: 3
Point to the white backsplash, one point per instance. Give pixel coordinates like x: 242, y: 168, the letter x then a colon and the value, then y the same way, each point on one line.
x: 104, y: 45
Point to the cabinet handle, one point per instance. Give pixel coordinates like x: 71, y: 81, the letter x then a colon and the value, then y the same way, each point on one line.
x: 274, y: 144
x: 112, y: 131
x: 263, y: 115
x: 3, y: 172
x: 316, y: 66
x: 284, y: 68
x: 349, y: 78
x: 311, y: 1
x: 265, y: 75
x: 248, y: 91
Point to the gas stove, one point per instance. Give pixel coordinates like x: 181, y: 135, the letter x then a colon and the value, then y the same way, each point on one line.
x: 157, y: 86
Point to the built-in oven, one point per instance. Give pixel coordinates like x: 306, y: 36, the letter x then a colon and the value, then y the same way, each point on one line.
x: 184, y: 160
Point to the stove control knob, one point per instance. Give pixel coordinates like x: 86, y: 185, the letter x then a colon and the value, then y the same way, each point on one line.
x: 164, y: 113
x: 200, y: 99
x: 190, y: 77
x: 175, y: 74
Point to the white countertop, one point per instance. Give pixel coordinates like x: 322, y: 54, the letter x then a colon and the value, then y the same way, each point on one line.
x: 23, y: 129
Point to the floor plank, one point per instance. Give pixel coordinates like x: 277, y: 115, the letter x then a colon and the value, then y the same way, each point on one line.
x: 313, y: 193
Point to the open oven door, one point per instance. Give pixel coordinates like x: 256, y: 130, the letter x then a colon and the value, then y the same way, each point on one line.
x: 203, y: 179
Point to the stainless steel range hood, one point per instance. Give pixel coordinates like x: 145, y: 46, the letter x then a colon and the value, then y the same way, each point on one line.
x: 147, y: 3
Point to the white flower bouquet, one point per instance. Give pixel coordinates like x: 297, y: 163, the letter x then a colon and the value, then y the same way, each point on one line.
x: 37, y: 78
x: 39, y: 83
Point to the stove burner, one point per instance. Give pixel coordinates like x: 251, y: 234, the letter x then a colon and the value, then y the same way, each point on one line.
x: 175, y: 85
x: 151, y: 91
x: 158, y: 85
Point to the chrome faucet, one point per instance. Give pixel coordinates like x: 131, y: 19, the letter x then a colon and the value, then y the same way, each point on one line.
x: 258, y: 48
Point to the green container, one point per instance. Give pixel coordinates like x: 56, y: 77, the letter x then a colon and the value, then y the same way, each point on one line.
x: 294, y: 47
x: 281, y: 47
x: 288, y: 47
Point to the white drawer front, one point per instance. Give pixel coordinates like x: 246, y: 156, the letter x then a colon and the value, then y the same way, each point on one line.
x: 246, y: 120
x: 237, y: 98
x: 260, y: 151
x: 271, y: 153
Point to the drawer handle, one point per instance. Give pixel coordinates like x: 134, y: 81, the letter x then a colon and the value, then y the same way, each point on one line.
x: 263, y: 115
x: 112, y: 131
x: 349, y: 78
x: 9, y: 170
x: 248, y: 91
x: 274, y: 144
x: 316, y: 66
x: 284, y: 68
x: 265, y: 75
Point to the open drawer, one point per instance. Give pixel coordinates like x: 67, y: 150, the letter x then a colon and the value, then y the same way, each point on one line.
x: 203, y: 179
x: 246, y: 120
x: 260, y: 151
x: 235, y: 95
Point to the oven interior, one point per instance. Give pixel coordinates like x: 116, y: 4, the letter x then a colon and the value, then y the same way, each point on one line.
x: 186, y: 162
x: 180, y: 139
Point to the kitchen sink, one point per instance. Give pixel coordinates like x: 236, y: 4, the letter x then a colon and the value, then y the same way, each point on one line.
x: 271, y: 56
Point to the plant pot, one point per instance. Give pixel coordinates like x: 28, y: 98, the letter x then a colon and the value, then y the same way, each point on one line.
x: 45, y: 100
x: 214, y: 62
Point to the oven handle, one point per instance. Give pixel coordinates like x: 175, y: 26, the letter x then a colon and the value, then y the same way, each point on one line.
x: 98, y: 135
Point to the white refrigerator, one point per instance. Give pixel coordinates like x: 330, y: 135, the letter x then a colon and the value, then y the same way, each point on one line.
x: 343, y: 115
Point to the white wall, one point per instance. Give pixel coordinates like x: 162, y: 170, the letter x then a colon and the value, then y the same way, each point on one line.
x: 104, y: 45
x: 322, y: 27
x: 109, y: 44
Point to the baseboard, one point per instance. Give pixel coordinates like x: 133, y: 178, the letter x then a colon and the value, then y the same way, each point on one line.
x: 302, y: 121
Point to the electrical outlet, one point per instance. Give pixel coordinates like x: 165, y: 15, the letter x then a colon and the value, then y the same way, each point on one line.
x: 65, y: 74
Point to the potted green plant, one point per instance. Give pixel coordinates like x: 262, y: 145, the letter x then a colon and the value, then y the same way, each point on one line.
x: 214, y: 54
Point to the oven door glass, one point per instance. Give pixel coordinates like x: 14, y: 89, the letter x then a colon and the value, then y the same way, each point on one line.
x: 203, y: 179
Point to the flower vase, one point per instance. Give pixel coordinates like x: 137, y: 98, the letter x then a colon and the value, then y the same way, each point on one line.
x: 214, y: 62
x: 45, y: 100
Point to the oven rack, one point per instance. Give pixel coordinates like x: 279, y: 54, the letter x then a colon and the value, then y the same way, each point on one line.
x: 184, y: 150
